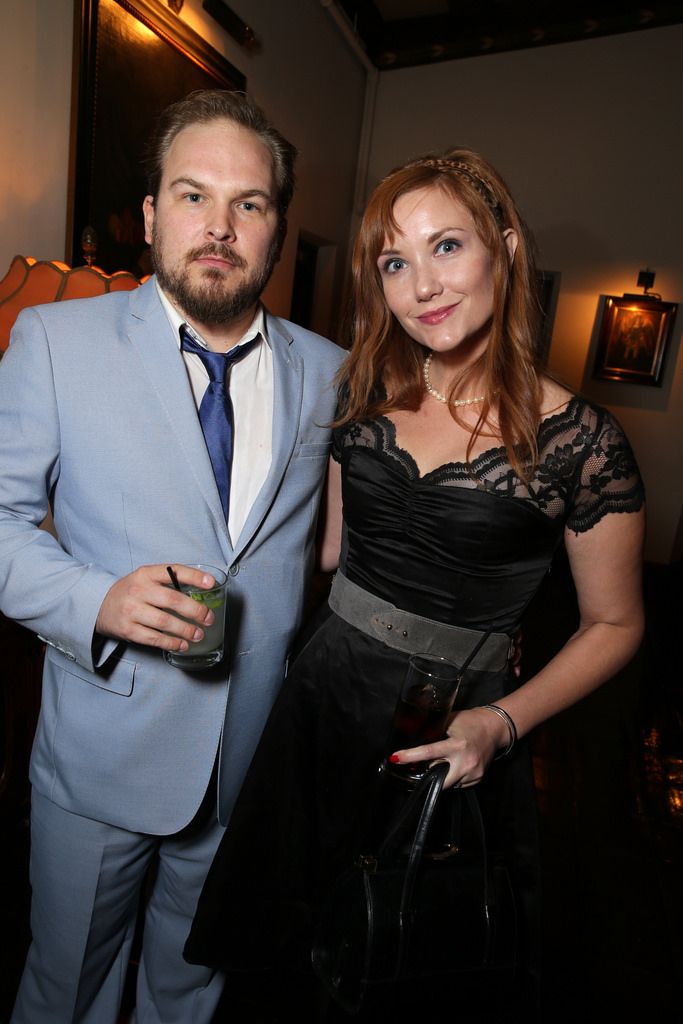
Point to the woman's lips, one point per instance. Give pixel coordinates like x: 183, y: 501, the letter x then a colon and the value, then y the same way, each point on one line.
x: 437, y: 316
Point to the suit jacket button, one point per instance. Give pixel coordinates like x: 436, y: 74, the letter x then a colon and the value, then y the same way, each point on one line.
x: 234, y: 569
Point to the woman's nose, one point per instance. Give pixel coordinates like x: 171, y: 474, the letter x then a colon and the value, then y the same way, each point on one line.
x: 427, y: 283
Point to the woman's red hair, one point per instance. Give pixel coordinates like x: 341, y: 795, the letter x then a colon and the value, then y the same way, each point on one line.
x: 384, y: 368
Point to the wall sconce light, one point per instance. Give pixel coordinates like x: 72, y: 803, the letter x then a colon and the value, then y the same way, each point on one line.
x: 646, y: 278
x: 233, y: 25
x: 635, y: 333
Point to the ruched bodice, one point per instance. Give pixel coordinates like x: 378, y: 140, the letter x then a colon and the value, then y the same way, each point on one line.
x: 469, y: 544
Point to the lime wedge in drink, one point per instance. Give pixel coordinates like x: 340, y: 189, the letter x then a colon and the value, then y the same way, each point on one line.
x: 208, y: 597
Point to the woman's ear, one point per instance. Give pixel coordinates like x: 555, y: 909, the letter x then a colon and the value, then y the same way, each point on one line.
x: 511, y: 239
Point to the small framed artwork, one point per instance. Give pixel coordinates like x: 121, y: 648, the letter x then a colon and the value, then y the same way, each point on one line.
x: 634, y: 336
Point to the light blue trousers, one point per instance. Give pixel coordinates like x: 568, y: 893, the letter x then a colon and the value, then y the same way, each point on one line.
x: 87, y: 882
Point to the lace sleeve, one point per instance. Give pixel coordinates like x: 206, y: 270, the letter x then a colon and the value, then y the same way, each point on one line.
x: 339, y: 432
x: 337, y: 443
x: 609, y: 480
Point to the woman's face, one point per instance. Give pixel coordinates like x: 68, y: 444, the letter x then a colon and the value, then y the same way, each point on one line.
x: 437, y: 276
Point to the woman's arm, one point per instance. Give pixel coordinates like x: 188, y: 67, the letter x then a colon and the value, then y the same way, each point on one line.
x: 606, y: 566
x: 329, y: 534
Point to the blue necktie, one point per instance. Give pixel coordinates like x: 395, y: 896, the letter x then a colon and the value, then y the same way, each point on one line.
x: 215, y: 411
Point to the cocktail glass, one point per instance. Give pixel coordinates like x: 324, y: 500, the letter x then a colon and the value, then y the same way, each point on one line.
x: 209, y: 650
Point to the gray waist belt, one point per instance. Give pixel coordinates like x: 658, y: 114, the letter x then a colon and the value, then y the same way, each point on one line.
x: 415, y: 634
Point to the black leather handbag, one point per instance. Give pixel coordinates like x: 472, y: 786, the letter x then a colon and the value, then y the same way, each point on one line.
x: 432, y: 904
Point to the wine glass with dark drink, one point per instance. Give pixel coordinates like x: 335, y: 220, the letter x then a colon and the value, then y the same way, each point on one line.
x: 427, y: 696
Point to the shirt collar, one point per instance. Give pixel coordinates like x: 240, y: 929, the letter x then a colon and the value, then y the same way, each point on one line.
x: 257, y: 326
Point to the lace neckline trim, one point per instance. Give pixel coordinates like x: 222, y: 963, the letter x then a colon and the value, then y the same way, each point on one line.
x: 566, y: 412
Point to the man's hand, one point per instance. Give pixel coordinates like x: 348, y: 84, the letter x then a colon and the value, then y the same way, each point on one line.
x: 143, y: 608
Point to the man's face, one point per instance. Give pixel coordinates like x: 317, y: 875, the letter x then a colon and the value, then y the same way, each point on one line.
x: 214, y: 226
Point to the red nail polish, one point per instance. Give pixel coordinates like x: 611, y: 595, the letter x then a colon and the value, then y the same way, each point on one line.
x: 395, y: 759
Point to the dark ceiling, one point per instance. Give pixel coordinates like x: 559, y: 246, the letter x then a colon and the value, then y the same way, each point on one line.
x: 409, y: 33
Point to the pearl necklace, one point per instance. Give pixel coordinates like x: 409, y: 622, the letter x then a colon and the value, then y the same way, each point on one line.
x: 437, y: 394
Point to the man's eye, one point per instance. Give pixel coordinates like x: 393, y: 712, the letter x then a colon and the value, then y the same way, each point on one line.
x: 193, y: 197
x: 249, y: 206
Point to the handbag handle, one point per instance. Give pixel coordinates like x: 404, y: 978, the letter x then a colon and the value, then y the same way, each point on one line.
x: 422, y: 801
x: 428, y: 790
x: 436, y: 776
x: 425, y: 797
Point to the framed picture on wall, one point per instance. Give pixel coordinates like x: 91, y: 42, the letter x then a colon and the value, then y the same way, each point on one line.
x: 633, y: 340
x: 131, y: 59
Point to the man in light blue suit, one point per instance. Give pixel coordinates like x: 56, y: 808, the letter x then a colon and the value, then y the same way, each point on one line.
x: 137, y: 762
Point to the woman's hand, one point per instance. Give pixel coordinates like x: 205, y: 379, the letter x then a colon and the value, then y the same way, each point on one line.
x: 474, y: 737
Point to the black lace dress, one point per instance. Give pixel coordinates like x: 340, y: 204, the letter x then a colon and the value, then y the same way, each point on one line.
x: 465, y: 545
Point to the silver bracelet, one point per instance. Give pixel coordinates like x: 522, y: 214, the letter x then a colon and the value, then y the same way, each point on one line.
x: 512, y: 728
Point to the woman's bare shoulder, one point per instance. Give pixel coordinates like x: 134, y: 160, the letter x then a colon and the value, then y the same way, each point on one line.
x: 554, y: 396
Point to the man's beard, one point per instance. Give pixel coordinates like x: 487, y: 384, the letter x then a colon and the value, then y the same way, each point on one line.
x: 213, y: 301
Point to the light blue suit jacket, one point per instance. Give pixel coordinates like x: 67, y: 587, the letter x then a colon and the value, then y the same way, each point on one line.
x: 97, y: 416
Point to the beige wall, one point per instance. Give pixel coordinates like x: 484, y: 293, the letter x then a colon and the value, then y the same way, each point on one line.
x: 589, y: 137
x: 35, y: 81
x: 305, y: 77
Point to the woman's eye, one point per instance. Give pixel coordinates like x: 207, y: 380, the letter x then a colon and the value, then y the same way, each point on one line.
x: 392, y: 266
x: 448, y: 245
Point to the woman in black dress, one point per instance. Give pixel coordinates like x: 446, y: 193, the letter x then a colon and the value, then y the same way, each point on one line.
x: 463, y: 466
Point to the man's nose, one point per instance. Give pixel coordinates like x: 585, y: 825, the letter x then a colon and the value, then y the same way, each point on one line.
x: 221, y: 225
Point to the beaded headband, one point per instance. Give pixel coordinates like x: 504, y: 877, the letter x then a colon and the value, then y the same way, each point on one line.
x: 481, y: 185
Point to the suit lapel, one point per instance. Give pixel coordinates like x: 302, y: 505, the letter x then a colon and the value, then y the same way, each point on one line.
x: 288, y: 383
x: 152, y: 338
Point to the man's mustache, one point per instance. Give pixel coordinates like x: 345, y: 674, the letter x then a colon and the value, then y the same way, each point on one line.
x: 222, y: 252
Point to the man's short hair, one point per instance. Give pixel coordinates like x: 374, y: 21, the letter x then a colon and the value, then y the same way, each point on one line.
x: 205, y: 105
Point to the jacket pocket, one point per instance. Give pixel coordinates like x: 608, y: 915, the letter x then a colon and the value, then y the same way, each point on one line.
x: 117, y: 675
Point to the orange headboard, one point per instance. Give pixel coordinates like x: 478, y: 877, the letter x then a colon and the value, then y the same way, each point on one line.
x: 29, y: 282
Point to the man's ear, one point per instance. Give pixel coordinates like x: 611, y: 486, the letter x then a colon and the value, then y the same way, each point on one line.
x: 511, y: 239
x: 148, y: 214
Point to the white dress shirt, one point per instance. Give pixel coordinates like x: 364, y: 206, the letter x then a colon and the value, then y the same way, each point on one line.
x: 251, y: 391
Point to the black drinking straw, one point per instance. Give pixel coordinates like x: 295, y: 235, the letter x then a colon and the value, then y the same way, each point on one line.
x: 477, y: 647
x: 174, y: 578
